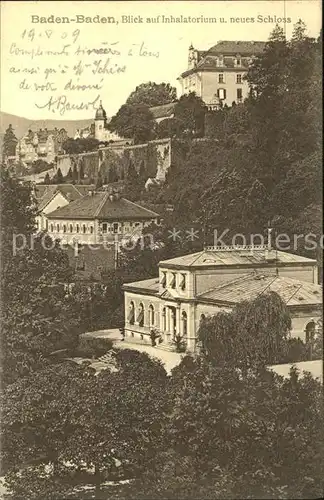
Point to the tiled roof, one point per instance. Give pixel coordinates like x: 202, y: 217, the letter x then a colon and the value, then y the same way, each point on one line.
x: 293, y: 292
x: 151, y: 284
x: 47, y: 196
x: 209, y: 59
x: 100, y: 206
x: 40, y: 190
x: 70, y: 191
x: 237, y: 47
x: 166, y: 110
x: 224, y: 258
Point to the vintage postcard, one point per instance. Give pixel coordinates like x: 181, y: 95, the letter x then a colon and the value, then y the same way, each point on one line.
x: 161, y: 250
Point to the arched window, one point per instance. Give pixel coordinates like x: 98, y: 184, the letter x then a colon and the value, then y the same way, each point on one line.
x: 71, y: 228
x: 184, y: 323
x: 58, y: 228
x: 77, y: 228
x: 151, y: 315
x: 91, y: 229
x: 310, y: 331
x: 64, y: 228
x: 140, y: 315
x: 131, y: 313
x: 202, y: 317
x: 84, y: 228
x: 52, y: 228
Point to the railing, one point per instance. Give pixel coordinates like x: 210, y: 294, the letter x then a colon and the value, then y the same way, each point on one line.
x: 235, y: 248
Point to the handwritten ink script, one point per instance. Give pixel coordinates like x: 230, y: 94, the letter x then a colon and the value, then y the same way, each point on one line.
x: 61, y: 73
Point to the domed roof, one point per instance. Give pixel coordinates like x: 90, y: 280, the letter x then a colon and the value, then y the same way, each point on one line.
x: 100, y: 113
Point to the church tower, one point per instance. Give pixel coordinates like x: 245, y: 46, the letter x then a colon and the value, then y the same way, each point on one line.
x: 100, y: 123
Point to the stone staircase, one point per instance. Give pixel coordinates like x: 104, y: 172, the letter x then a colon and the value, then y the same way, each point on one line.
x: 107, y: 358
x: 165, y: 346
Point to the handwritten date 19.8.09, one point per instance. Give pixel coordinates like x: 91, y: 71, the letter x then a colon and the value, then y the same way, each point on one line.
x: 31, y: 35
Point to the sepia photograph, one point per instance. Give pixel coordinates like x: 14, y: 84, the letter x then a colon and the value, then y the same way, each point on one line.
x: 161, y: 250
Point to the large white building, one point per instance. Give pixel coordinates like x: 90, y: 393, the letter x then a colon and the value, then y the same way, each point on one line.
x: 191, y: 287
x: 217, y: 74
x: 98, y: 217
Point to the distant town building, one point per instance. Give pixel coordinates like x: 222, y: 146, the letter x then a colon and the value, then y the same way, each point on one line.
x: 101, y: 127
x: 100, y: 217
x: 217, y: 75
x: 191, y: 287
x: 53, y: 196
x: 41, y: 145
x: 163, y: 112
x: 86, y: 132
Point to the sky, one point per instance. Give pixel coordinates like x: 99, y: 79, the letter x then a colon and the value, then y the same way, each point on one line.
x: 43, y: 63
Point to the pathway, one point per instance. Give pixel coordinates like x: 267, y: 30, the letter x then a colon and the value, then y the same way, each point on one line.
x: 169, y: 359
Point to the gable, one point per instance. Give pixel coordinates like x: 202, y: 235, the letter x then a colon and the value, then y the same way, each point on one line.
x: 57, y: 201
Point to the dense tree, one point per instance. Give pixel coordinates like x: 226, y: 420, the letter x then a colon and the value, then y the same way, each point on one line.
x: 39, y: 166
x: 134, y: 185
x: 99, y: 182
x: 47, y: 179
x: 37, y: 318
x: 77, y: 425
x: 75, y: 174
x: 253, y: 334
x: 133, y: 121
x: 82, y: 145
x: 58, y: 177
x: 10, y: 142
x: 189, y: 118
x: 152, y: 94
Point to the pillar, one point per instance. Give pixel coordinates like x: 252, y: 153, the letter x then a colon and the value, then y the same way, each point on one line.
x: 168, y: 324
x: 178, y: 323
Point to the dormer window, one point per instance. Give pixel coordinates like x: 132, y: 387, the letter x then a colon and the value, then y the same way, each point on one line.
x: 173, y: 281
x: 221, y: 78
x: 238, y: 61
x: 163, y: 280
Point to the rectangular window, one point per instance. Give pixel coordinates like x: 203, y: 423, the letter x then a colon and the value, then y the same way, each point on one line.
x: 104, y: 227
x: 221, y: 78
x: 238, y: 62
x: 182, y: 283
x: 239, y: 78
x: 221, y: 94
x: 115, y: 227
x: 173, y: 281
x: 239, y: 94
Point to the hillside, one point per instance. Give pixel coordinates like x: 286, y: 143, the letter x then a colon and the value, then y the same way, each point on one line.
x: 21, y: 124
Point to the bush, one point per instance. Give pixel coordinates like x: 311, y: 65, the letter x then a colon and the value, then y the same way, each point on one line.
x: 179, y: 343
x: 89, y: 347
x: 296, y: 350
